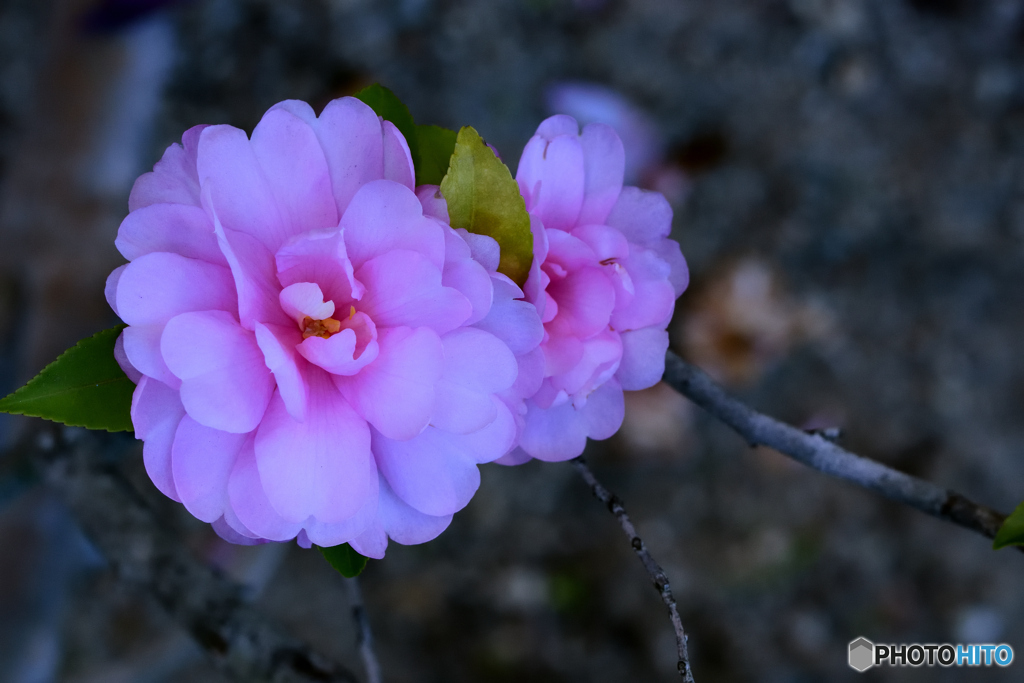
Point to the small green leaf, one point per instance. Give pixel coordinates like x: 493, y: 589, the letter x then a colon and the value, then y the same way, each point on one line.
x: 84, y: 387
x: 348, y: 562
x: 390, y: 108
x: 1012, y: 530
x: 483, y: 198
x: 435, y: 146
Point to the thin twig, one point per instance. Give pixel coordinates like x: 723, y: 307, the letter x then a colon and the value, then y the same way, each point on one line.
x: 655, y: 571
x: 818, y: 452
x: 364, y: 636
x: 126, y: 530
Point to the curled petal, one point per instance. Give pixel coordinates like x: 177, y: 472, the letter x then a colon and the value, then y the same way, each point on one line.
x: 653, y: 298
x: 201, y: 461
x: 279, y: 353
x: 156, y: 287
x: 553, y: 434
x: 512, y: 320
x: 643, y: 216
x: 395, y: 393
x: 403, y: 288
x: 319, y: 257
x: 433, y: 203
x: 397, y: 159
x: 305, y: 300
x: 174, y: 228
x: 351, y: 136
x: 384, y: 216
x: 225, y: 383
x: 604, y: 411
x: 643, y: 358
x: 295, y: 168
x: 604, y: 163
x: 551, y: 178
x: 174, y: 179
x: 320, y: 467
x: 585, y: 300
x: 346, y: 352
x: 156, y: 413
x: 249, y: 500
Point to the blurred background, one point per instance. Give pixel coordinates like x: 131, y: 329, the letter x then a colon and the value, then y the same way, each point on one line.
x: 848, y: 185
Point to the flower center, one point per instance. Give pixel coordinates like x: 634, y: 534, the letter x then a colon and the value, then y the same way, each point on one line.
x: 319, y: 328
x: 324, y: 328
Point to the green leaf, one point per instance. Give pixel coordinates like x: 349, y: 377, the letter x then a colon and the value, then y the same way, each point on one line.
x: 1012, y: 530
x: 483, y: 198
x: 435, y: 146
x: 84, y: 387
x: 348, y: 562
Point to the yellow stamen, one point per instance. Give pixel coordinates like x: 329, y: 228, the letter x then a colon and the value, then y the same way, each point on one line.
x: 320, y: 328
x: 351, y: 312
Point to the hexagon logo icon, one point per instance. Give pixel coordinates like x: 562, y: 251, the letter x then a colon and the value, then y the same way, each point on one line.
x: 862, y: 654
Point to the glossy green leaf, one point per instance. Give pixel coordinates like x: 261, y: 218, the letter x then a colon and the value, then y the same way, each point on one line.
x: 435, y: 146
x: 348, y: 562
x: 1012, y: 530
x: 84, y: 387
x: 483, y: 198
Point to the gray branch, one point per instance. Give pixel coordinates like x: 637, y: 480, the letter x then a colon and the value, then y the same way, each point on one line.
x: 655, y: 571
x: 364, y: 636
x: 208, y: 605
x: 818, y: 452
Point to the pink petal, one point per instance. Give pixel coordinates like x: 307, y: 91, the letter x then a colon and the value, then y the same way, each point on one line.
x: 201, y: 461
x: 403, y: 288
x: 122, y: 360
x: 644, y: 217
x: 156, y: 413
x: 643, y: 358
x: 232, y: 176
x: 346, y: 352
x: 604, y: 162
x: 607, y: 243
x: 604, y: 410
x: 254, y: 272
x: 228, y: 533
x: 551, y: 179
x: 321, y: 467
x: 600, y: 360
x: 304, y: 299
x: 397, y: 159
x: 327, y: 534
x: 319, y: 257
x: 395, y: 393
x: 432, y: 472
x: 668, y: 251
x: 403, y: 523
x: 466, y: 276
x: 561, y: 353
x: 156, y: 287
x: 653, y: 299
x: 225, y: 382
x: 249, y: 499
x: 110, y: 288
x: 141, y: 345
x: 175, y: 228
x: 351, y: 137
x: 483, y: 249
x: 278, y: 346
x: 553, y: 434
x: 433, y: 203
x: 531, y: 374
x: 476, y: 365
x: 384, y: 216
x: 559, y: 124
x: 585, y: 301
x: 295, y: 169
x: 511, y: 320
x: 174, y: 179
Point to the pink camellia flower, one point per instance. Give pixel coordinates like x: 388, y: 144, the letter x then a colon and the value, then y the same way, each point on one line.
x: 605, y: 278
x: 315, y: 357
